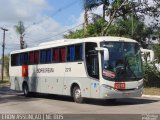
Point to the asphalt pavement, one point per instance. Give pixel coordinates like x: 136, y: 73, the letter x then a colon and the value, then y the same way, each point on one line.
x: 130, y: 108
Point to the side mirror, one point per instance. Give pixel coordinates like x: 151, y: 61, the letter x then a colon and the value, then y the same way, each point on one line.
x: 105, y: 52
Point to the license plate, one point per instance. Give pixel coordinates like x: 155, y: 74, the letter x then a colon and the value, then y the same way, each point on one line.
x: 119, y: 85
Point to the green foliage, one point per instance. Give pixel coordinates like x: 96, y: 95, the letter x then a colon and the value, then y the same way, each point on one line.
x: 93, y: 29
x: 75, y: 34
x: 6, y: 64
x: 151, y: 76
x: 20, y: 29
x: 120, y: 27
x: 124, y: 28
x: 157, y: 52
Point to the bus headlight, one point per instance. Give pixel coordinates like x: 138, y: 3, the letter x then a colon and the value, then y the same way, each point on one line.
x: 107, y: 86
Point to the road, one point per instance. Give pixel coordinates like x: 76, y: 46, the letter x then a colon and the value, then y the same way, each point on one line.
x: 15, y: 102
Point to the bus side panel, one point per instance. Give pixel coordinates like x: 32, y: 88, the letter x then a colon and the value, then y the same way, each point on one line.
x: 47, y: 78
x: 15, y: 78
x: 75, y: 73
x: 33, y: 79
x: 95, y: 88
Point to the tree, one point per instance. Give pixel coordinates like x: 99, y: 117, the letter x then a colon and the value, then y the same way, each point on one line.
x: 6, y: 64
x: 88, y: 5
x: 93, y: 29
x: 126, y: 18
x: 116, y: 6
x: 20, y: 29
x: 157, y: 52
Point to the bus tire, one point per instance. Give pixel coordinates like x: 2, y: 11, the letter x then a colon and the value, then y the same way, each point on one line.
x: 77, y: 95
x: 26, y: 90
x: 111, y: 100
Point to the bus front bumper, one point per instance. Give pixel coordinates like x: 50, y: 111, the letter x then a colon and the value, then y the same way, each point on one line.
x: 111, y: 93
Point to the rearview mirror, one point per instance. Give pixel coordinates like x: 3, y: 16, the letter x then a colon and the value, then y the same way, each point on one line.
x: 105, y: 52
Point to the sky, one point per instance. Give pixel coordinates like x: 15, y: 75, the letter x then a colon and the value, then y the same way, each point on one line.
x: 44, y: 20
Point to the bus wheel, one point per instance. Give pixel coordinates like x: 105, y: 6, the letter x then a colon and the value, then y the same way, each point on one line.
x: 111, y: 100
x: 77, y: 95
x: 25, y: 90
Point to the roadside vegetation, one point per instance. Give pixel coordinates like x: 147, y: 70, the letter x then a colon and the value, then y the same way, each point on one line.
x: 125, y: 20
x: 151, y: 91
x: 5, y: 81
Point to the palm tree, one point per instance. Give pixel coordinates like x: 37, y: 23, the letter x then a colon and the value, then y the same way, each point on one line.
x: 92, y: 4
x: 20, y: 29
x: 88, y: 5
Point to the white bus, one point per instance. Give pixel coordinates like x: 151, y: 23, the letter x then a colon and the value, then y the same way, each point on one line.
x: 95, y: 67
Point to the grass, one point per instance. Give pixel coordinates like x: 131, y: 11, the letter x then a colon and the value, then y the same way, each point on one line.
x: 5, y: 80
x: 151, y: 91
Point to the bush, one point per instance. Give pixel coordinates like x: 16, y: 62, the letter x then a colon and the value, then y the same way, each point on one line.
x: 151, y: 76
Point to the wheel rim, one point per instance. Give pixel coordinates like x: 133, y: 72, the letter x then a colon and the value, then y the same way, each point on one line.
x: 77, y: 93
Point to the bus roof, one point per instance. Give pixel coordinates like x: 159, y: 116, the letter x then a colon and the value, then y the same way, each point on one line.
x: 64, y: 42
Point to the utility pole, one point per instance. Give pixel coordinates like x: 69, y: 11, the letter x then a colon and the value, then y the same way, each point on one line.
x: 3, y: 46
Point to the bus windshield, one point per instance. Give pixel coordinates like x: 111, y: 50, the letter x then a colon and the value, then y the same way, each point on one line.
x: 124, y: 63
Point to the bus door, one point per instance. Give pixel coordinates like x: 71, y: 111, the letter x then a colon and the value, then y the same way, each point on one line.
x: 92, y: 65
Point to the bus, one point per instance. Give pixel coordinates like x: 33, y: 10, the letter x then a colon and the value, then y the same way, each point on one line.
x: 95, y: 67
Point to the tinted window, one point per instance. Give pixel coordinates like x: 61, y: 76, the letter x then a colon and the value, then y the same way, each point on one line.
x: 23, y: 58
x: 70, y: 53
x: 78, y: 52
x: 42, y: 56
x: 48, y: 56
x: 31, y: 57
x: 36, y: 57
x: 62, y: 57
x: 14, y: 59
x: 74, y: 53
x: 56, y: 55
x: 45, y: 56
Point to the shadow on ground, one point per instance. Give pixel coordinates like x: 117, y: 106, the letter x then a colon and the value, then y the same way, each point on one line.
x: 118, y: 102
x: 7, y: 95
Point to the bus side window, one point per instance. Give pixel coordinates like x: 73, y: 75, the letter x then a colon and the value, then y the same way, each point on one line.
x: 23, y: 59
x: 92, y: 62
x: 70, y: 53
x: 42, y: 56
x: 48, y: 56
x: 78, y: 52
x: 62, y: 54
x: 31, y: 57
x: 36, y: 57
x: 14, y: 59
x: 55, y: 55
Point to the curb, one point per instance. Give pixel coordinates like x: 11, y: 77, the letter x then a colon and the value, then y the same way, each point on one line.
x: 151, y: 96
